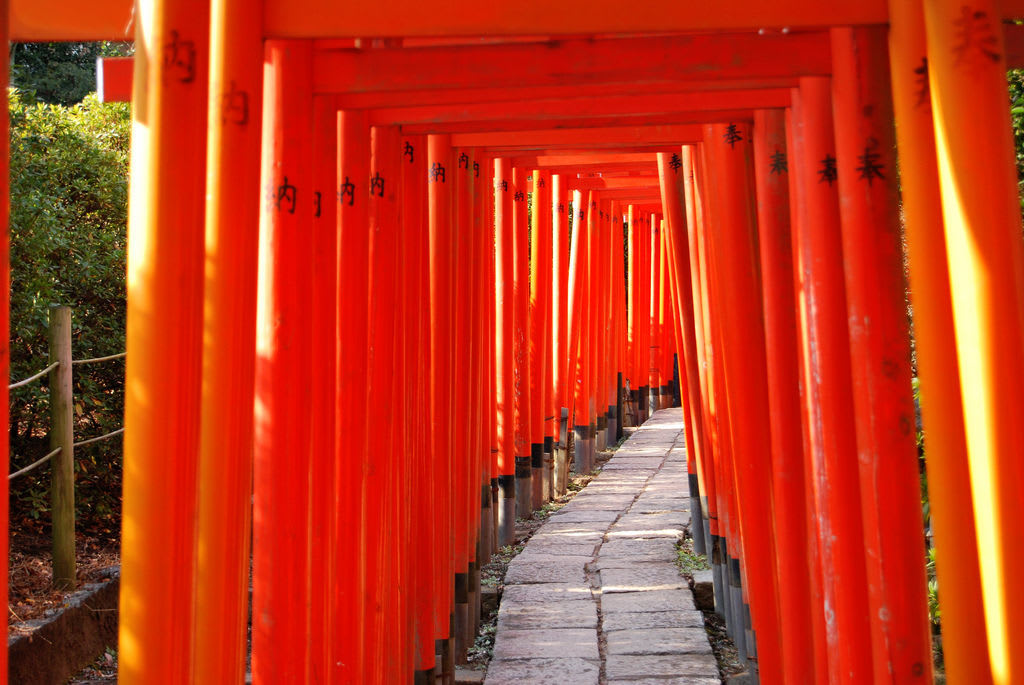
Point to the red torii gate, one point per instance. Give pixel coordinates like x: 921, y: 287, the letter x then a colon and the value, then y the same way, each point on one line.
x: 987, y: 349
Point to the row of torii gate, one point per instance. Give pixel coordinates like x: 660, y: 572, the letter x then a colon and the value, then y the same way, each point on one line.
x: 356, y: 312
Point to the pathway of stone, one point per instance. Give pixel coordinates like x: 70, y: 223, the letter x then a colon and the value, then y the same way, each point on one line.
x: 595, y: 596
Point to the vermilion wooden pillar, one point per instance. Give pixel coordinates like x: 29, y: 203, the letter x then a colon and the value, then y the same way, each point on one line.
x: 491, y: 250
x: 439, y: 159
x: 633, y: 279
x: 829, y: 440
x: 561, y: 388
x: 164, y: 339
x: 381, y: 482
x: 462, y: 237
x: 281, y: 524
x: 550, y: 411
x: 618, y: 290
x: 348, y: 564
x: 224, y: 514
x: 664, y: 315
x: 673, y: 185
x: 653, y: 354
x: 481, y: 447
x: 771, y: 170
x: 415, y: 231
x: 323, y: 322
x: 599, y: 269
x: 521, y: 342
x: 577, y: 338
x: 408, y: 409
x: 606, y: 401
x: 590, y: 329
x: 731, y: 543
x: 981, y: 208
x: 716, y: 532
x: 890, y: 485
x: 798, y: 218
x: 965, y: 648
x: 643, y: 274
x: 504, y: 193
x: 698, y: 382
x: 540, y: 298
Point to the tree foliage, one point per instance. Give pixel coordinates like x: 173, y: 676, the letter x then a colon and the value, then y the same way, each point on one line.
x: 59, y: 73
x: 1015, y: 77
x: 69, y: 189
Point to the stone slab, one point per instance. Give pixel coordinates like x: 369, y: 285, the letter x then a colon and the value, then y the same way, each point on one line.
x: 546, y: 643
x: 682, y: 680
x: 691, y: 640
x: 631, y: 666
x: 520, y: 671
x: 561, y: 537
x: 679, y: 519
x: 642, y: 577
x: 560, y: 548
x: 583, y: 515
x: 679, y: 618
x: 534, y: 593
x: 564, y: 614
x: 652, y: 505
x: 654, y: 600
x: 523, y: 572
x: 656, y: 549
x: 530, y: 556
x: 637, y: 530
x: 596, y: 504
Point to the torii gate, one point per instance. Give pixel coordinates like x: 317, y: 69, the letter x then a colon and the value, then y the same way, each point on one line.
x: 194, y: 262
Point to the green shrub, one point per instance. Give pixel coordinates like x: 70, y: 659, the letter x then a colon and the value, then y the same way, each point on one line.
x: 69, y: 191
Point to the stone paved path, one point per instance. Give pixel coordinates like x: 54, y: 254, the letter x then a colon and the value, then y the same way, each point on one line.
x: 595, y: 597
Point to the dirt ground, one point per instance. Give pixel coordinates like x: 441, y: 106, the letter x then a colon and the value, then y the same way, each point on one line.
x: 31, y: 592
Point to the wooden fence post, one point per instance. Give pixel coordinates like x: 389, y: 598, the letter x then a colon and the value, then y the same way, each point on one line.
x: 62, y: 472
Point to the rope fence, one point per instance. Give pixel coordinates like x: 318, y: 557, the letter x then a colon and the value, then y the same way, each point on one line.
x: 96, y: 360
x: 39, y: 375
x: 60, y: 378
x: 100, y: 438
x: 34, y: 465
x: 39, y: 462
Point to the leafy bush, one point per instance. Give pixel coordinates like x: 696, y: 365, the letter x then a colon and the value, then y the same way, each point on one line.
x: 69, y: 190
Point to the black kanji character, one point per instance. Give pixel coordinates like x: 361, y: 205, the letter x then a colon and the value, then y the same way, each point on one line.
x: 561, y: 208
x: 464, y: 161
x: 437, y: 173
x: 179, y: 59
x: 286, y: 193
x: 869, y: 168
x: 476, y: 169
x: 977, y: 38
x: 234, y: 106
x: 581, y: 215
x: 503, y: 184
x: 732, y: 135
x: 347, y: 189
x: 408, y: 152
x: 541, y: 183
x: 779, y: 164
x: 316, y: 203
x: 676, y: 162
x: 519, y: 196
x: 377, y: 185
x: 828, y: 170
x: 924, y: 88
